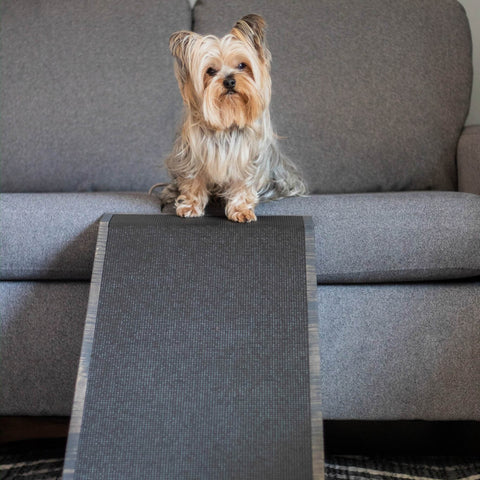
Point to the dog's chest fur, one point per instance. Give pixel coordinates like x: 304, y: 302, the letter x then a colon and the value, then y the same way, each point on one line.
x: 227, y: 157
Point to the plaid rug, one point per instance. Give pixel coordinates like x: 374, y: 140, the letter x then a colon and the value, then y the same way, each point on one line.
x: 33, y: 460
x: 43, y: 460
x: 402, y: 468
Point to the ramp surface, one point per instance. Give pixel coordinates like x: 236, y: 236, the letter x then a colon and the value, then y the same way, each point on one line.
x: 200, y: 353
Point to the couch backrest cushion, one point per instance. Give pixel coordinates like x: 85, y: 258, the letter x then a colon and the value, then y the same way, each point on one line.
x: 88, y: 100
x: 371, y: 95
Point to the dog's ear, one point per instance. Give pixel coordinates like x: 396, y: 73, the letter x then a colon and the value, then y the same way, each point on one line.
x: 251, y: 29
x: 181, y: 44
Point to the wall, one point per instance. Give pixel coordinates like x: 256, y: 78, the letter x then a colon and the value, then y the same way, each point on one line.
x: 473, y: 11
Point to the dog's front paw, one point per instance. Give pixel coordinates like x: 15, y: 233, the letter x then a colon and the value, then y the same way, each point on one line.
x: 242, y: 215
x: 188, y: 207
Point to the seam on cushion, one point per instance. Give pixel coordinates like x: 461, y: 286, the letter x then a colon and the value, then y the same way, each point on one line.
x: 26, y: 270
x: 347, y: 277
x: 23, y: 274
x: 385, y: 276
x: 409, y: 270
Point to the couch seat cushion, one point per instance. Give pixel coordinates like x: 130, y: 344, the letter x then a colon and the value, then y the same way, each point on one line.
x: 360, y: 238
x: 52, y: 236
x: 391, y: 237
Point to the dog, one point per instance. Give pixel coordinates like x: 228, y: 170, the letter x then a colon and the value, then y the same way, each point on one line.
x: 226, y: 147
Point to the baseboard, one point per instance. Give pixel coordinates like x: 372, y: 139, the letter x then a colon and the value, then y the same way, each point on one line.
x: 20, y: 428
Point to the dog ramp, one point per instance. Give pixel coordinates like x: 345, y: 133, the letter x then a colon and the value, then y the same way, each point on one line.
x: 200, y: 354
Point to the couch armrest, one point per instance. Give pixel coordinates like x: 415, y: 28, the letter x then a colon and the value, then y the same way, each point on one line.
x: 468, y: 160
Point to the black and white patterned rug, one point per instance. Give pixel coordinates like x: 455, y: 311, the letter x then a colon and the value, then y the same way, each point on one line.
x: 43, y: 460
x: 402, y: 468
x: 33, y: 460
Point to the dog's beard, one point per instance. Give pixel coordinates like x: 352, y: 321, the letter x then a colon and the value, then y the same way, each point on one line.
x: 223, y: 109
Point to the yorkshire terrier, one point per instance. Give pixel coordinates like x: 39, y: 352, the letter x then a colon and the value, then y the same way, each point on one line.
x: 226, y: 147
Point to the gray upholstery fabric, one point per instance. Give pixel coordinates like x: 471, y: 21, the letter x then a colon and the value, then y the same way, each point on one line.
x: 370, y: 95
x: 407, y: 236
x: 40, y: 341
x: 392, y: 237
x: 400, y: 351
x: 53, y: 236
x: 468, y: 160
x: 89, y: 100
x: 388, y: 351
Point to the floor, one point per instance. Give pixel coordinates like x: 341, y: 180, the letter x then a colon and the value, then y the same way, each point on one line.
x: 33, y: 448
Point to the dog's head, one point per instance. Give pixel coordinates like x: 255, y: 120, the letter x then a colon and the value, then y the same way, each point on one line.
x: 224, y: 82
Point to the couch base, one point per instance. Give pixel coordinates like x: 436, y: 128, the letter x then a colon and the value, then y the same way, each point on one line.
x: 403, y: 437
x: 341, y: 437
x: 389, y: 352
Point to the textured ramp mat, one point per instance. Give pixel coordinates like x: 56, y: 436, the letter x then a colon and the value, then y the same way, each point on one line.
x: 200, y: 353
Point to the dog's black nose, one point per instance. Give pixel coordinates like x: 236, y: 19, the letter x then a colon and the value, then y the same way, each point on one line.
x: 229, y: 82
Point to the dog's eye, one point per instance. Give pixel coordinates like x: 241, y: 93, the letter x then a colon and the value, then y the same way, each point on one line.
x: 212, y: 72
x: 242, y: 66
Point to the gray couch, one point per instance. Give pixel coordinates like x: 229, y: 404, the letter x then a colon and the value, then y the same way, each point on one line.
x: 369, y: 99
